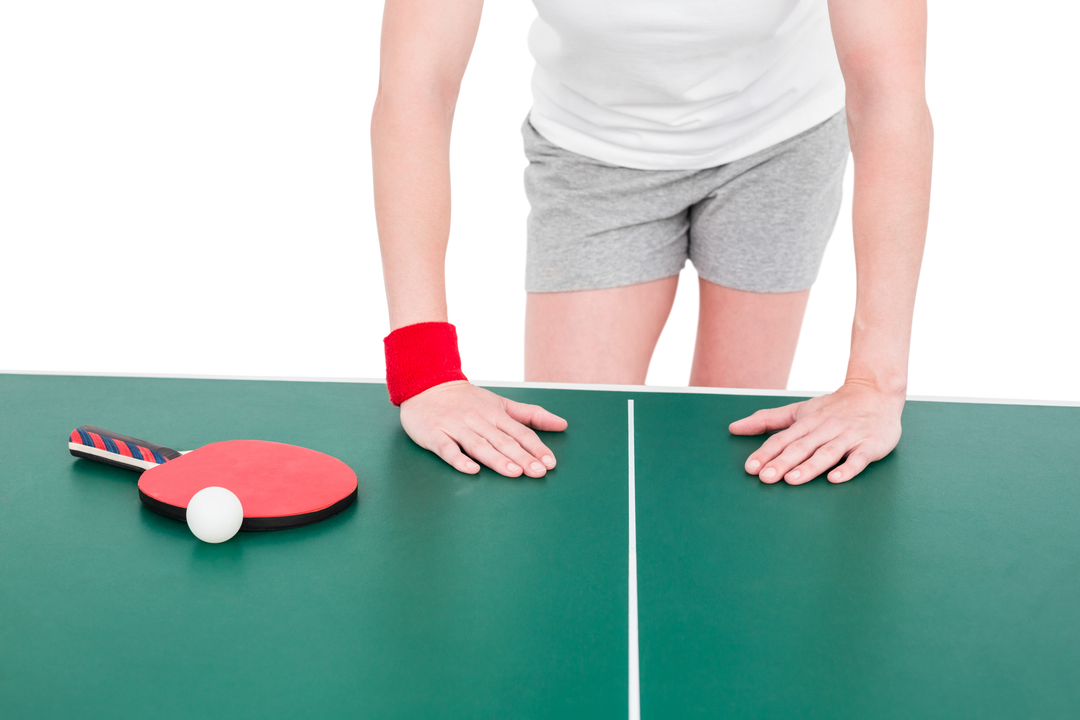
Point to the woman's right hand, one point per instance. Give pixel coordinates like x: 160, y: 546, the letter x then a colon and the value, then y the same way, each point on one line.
x: 425, y: 48
x: 465, y: 425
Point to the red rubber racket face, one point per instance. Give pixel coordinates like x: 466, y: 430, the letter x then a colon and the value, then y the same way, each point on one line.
x: 279, y: 485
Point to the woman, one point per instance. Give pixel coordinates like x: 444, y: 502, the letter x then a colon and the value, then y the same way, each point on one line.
x: 710, y: 129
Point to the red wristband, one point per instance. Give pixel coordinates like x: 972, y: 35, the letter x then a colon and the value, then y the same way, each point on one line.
x: 419, y: 357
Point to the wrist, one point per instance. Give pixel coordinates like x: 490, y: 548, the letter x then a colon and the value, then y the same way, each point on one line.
x: 894, y: 387
x: 419, y: 357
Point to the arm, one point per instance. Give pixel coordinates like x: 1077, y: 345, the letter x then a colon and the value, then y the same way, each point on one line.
x: 892, y: 140
x: 881, y: 46
x: 425, y: 47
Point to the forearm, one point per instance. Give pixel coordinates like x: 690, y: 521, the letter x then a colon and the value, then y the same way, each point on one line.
x: 892, y: 145
x: 410, y: 143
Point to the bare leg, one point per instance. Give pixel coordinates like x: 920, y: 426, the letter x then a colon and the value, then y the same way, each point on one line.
x: 596, y: 336
x: 746, y: 339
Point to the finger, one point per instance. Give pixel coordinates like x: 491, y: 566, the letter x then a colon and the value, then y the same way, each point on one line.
x: 758, y: 462
x: 766, y: 420
x: 530, y: 442
x: 462, y: 442
x: 479, y: 448
x: 856, y: 462
x: 535, y: 416
x: 826, y: 456
x: 449, y: 451
x: 792, y: 447
x: 511, y: 448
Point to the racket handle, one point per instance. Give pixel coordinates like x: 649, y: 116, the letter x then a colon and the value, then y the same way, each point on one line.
x: 105, y: 446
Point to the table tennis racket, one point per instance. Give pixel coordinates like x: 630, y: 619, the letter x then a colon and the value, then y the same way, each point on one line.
x: 280, y: 486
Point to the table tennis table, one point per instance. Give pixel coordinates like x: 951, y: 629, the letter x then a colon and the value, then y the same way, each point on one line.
x: 646, y: 576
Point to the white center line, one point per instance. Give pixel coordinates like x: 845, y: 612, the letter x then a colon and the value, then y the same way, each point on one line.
x: 635, y: 675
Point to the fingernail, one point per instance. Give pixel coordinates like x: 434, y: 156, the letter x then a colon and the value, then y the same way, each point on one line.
x: 549, y: 461
x: 537, y: 467
x: 511, y: 467
x: 753, y: 465
x: 471, y: 466
x: 836, y: 476
x: 794, y: 475
x: 768, y: 473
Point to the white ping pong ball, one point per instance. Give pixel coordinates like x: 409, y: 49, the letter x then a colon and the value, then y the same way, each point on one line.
x: 214, y: 514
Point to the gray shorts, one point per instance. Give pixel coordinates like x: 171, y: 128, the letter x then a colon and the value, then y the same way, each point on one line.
x: 760, y: 223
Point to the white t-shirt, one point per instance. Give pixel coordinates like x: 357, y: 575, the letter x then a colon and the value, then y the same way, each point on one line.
x: 681, y: 84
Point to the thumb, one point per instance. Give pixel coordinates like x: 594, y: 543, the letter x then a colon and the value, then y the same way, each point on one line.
x: 535, y: 417
x: 766, y: 420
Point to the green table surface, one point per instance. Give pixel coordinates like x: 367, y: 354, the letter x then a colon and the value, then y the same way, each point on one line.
x: 942, y: 583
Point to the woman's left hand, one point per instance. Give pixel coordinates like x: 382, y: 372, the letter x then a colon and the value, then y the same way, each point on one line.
x: 858, y: 422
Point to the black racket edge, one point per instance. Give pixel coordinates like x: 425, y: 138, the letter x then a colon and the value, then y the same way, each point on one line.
x: 258, y: 524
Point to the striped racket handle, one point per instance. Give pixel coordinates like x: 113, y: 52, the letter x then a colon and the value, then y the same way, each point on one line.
x: 105, y: 446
